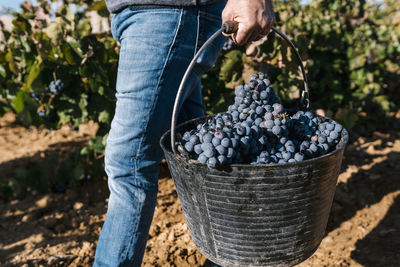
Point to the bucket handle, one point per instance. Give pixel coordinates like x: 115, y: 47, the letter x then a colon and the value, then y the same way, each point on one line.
x: 228, y: 28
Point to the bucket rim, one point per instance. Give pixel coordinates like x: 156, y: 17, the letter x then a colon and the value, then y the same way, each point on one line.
x: 340, y: 146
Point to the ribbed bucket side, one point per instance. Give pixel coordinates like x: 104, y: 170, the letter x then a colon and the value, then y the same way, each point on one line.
x: 268, y: 215
x: 189, y: 187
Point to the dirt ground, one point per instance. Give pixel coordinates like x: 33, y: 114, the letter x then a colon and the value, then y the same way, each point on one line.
x: 62, y: 229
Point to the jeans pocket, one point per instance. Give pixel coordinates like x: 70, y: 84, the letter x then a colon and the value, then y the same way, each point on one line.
x: 149, y: 33
x: 210, y: 22
x: 143, y: 21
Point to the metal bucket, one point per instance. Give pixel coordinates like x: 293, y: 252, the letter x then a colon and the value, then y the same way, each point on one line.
x: 255, y: 215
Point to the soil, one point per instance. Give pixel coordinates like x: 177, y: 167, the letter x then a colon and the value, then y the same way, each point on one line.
x: 61, y: 229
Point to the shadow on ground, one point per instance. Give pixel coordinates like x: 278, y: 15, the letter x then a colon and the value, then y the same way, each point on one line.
x: 376, y: 175
x: 381, y: 247
x: 62, y: 229
x: 42, y: 222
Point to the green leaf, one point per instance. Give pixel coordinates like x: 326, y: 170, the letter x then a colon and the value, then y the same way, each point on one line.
x: 65, y: 17
x: 96, y: 144
x: 85, y: 151
x: 76, y: 47
x: 25, y: 44
x: 104, y: 142
x: 383, y: 102
x: 347, y: 117
x: 3, y: 72
x: 104, y: 116
x: 21, y: 25
x: 65, y: 116
x: 9, y: 57
x: 34, y: 72
x: 232, y: 63
x: 54, y: 32
x: 70, y: 55
x: 18, y: 102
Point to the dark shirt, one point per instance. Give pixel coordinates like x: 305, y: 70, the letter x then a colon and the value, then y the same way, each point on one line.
x: 114, y: 6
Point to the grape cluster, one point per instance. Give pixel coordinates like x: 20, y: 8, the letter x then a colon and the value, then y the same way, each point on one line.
x: 44, y: 100
x: 256, y: 129
x: 228, y: 45
x: 41, y: 112
x: 56, y: 87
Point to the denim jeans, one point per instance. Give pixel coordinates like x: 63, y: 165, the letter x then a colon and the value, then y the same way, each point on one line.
x: 156, y: 48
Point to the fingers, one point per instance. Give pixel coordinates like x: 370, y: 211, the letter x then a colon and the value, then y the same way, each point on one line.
x: 244, y: 34
x: 251, y: 31
x: 261, y: 30
x: 254, y: 17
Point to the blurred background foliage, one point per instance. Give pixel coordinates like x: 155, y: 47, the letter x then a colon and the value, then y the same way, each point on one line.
x: 350, y: 48
x: 351, y: 51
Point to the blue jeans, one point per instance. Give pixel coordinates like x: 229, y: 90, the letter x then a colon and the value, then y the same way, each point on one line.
x: 156, y: 47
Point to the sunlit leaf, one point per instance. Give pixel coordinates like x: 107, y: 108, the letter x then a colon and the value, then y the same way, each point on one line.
x: 54, y: 31
x: 104, y: 116
x: 18, y: 102
x: 3, y: 71
x: 34, y: 72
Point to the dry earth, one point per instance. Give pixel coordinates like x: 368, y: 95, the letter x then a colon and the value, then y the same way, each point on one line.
x: 62, y: 229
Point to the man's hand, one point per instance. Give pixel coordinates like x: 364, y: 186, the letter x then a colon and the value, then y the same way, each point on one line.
x: 255, y: 18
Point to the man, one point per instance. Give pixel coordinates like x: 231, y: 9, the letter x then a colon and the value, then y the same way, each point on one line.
x: 158, y: 40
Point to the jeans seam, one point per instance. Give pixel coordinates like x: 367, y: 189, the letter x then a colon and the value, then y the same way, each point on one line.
x: 197, y: 33
x: 157, y: 89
